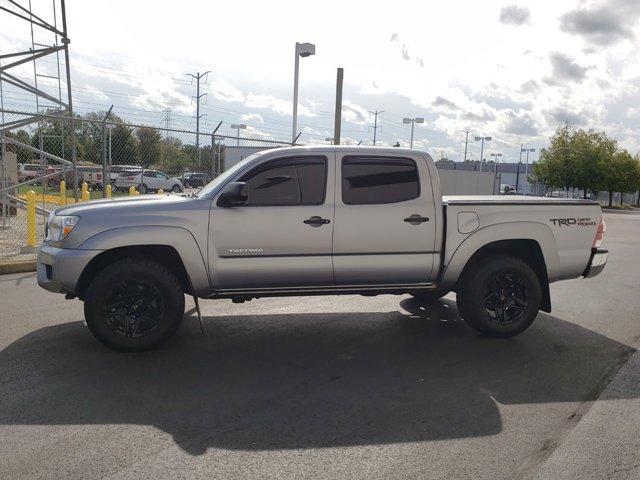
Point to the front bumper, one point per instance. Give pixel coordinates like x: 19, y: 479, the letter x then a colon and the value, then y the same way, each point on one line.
x: 59, y: 269
x: 597, y: 262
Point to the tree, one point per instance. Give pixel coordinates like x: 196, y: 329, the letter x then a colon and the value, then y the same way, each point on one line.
x: 589, y: 150
x: 24, y: 155
x: 636, y: 178
x: 90, y: 135
x: 149, y: 146
x: 53, y: 135
x: 174, y: 159
x: 619, y: 174
x: 556, y: 165
x: 124, y: 146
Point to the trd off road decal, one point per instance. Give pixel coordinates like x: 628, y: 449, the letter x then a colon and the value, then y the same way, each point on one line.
x: 571, y: 222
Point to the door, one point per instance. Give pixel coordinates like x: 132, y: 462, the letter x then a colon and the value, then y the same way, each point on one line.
x: 149, y: 179
x: 281, y: 236
x: 162, y: 181
x: 384, y: 230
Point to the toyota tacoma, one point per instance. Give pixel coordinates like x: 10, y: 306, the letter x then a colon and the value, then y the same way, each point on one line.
x: 321, y: 220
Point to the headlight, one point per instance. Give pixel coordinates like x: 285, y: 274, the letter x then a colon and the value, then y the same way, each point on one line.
x: 60, y: 226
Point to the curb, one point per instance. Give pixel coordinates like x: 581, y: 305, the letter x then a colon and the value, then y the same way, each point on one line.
x: 23, y: 266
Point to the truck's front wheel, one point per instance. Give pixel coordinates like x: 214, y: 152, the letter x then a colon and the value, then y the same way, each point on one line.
x: 134, y: 304
x: 499, y: 296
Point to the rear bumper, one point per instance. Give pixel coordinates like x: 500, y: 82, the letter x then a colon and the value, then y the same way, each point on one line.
x: 597, y: 262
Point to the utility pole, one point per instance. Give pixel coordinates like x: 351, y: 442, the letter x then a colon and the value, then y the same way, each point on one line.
x: 375, y: 124
x: 338, y: 113
x: 197, y: 77
x: 167, y: 121
x: 466, y: 142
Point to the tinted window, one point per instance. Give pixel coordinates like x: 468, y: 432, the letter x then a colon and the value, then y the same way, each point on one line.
x: 372, y: 180
x: 289, y: 181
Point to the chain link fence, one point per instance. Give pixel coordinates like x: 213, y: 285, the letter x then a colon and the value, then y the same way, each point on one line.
x: 38, y: 155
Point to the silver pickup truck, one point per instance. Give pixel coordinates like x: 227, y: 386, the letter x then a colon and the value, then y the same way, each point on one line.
x: 316, y: 221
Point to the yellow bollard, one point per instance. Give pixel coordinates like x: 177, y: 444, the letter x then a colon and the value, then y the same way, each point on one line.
x: 63, y: 193
x: 132, y: 191
x: 107, y: 191
x: 160, y: 192
x: 85, y: 192
x: 31, y: 218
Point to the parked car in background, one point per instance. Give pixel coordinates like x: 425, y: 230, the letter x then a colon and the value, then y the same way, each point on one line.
x: 47, y: 171
x: 90, y: 174
x: 195, y: 179
x: 116, y: 170
x: 506, y: 189
x: 148, y: 180
x: 28, y: 171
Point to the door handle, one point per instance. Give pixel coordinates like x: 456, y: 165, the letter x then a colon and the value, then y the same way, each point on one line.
x: 316, y: 221
x: 416, y: 219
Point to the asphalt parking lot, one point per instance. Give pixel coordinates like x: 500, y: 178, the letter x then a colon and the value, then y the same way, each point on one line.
x: 332, y: 387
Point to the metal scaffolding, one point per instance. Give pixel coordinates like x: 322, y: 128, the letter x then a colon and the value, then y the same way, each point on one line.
x: 48, y: 39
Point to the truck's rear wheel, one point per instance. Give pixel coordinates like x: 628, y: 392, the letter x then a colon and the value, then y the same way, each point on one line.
x: 134, y: 304
x: 500, y: 296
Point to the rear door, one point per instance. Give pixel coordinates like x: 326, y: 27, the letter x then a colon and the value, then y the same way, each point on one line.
x: 162, y: 181
x: 385, y: 225
x: 281, y: 237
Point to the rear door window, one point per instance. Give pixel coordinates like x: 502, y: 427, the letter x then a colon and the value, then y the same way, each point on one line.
x: 379, y: 180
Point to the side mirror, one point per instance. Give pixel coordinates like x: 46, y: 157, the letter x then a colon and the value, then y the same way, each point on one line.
x: 233, y: 194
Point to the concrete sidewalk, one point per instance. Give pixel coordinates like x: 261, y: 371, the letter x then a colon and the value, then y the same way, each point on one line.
x: 606, y: 442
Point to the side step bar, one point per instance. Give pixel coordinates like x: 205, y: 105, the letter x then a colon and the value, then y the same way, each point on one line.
x: 241, y: 295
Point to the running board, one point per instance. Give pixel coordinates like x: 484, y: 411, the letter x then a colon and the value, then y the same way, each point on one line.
x: 249, y: 293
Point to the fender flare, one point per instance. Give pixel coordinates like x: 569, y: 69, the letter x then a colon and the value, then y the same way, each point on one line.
x: 181, y: 239
x: 535, y: 231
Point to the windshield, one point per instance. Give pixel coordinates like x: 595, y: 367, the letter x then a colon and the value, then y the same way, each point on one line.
x: 222, y: 178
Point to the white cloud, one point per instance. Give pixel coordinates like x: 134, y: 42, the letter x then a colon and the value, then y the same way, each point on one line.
x: 252, y: 117
x: 404, y: 69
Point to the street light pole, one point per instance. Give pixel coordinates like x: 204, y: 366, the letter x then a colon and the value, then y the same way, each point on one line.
x: 237, y: 128
x: 526, y: 167
x: 302, y: 50
x: 413, y: 122
x: 482, y: 140
x: 496, y: 157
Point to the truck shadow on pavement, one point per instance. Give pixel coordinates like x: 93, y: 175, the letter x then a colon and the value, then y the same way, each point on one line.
x: 294, y: 381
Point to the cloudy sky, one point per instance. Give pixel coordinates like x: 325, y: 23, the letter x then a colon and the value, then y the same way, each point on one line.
x: 512, y: 71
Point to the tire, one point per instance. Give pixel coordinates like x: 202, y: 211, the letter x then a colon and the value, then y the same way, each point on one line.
x: 134, y: 305
x: 499, y: 296
x: 176, y: 188
x: 143, y: 188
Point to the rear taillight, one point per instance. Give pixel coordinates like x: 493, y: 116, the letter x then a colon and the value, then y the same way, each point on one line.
x: 602, y: 228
